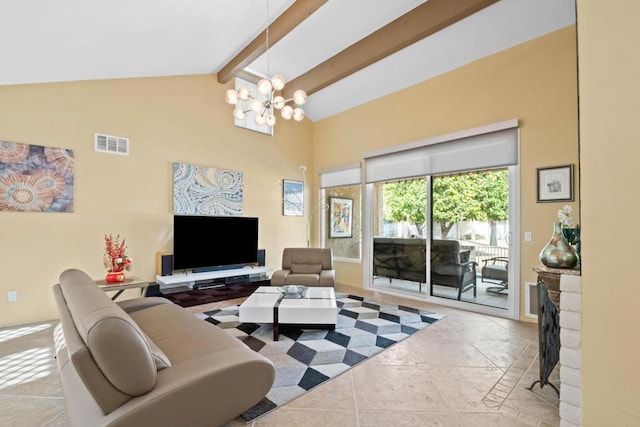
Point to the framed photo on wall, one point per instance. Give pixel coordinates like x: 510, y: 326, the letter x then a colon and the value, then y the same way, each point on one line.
x: 555, y: 184
x: 292, y: 198
x: 340, y: 217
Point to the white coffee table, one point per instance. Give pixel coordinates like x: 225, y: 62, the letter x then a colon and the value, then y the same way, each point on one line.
x: 317, y: 309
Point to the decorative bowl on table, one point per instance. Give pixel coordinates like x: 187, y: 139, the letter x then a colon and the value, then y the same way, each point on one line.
x: 293, y: 291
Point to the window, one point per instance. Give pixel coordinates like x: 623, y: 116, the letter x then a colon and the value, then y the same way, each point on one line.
x: 341, y: 187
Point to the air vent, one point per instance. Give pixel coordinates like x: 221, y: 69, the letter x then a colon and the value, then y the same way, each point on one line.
x: 111, y: 144
x: 531, y: 300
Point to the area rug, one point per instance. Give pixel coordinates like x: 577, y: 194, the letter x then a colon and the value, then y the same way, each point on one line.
x: 306, y: 358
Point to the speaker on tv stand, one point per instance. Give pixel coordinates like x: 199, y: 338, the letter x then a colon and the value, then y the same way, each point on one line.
x: 164, y: 264
x: 261, y: 257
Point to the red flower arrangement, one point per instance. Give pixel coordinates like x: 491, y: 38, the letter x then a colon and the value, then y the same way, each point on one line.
x: 115, y: 257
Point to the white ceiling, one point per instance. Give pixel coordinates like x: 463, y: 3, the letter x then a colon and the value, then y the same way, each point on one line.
x: 66, y: 40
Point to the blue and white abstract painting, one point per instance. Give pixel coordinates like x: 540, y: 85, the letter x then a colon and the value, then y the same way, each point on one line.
x: 202, y: 190
x: 292, y: 198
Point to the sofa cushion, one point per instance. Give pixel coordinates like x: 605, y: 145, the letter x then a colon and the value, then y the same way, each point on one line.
x: 303, y: 279
x: 306, y: 268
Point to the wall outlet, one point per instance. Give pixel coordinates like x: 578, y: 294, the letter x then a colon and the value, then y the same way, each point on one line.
x: 527, y: 236
x: 12, y: 296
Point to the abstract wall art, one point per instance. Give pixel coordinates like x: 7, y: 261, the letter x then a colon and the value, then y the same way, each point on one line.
x: 340, y: 217
x: 34, y: 178
x: 202, y: 190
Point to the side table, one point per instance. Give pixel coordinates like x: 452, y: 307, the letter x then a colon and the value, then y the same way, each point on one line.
x: 129, y: 283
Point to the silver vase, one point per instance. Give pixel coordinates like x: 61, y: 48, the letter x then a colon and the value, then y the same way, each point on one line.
x: 558, y: 253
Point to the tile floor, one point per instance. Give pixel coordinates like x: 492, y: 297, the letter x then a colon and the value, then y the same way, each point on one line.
x: 465, y: 370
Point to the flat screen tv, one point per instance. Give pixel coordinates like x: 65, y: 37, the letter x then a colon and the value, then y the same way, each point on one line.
x: 210, y: 242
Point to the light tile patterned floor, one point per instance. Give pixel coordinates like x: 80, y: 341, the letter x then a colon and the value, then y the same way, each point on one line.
x: 467, y: 369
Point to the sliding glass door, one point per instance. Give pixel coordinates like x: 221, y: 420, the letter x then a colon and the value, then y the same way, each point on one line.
x: 439, y: 219
x: 400, y: 236
x: 469, y: 258
x: 445, y: 236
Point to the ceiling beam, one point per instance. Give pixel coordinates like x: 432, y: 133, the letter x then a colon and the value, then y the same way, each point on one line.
x: 422, y: 21
x: 287, y: 21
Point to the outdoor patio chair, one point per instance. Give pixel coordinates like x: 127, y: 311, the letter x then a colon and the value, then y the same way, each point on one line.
x: 451, y: 267
x: 496, y: 270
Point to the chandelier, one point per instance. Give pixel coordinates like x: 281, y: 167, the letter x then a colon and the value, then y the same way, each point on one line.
x: 269, y: 97
x: 264, y: 107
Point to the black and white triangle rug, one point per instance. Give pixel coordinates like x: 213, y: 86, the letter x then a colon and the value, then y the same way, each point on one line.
x: 306, y: 358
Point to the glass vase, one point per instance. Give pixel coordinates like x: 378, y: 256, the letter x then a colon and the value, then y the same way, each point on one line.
x: 558, y: 253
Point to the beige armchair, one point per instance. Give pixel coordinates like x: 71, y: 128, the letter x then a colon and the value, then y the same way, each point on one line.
x: 305, y: 266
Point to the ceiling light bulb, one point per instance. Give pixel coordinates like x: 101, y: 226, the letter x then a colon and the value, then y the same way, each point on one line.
x: 298, y: 114
x: 271, y: 120
x: 264, y: 86
x: 238, y: 113
x: 231, y: 96
x: 260, y: 120
x: 243, y: 93
x: 287, y: 112
x: 299, y: 97
x: 257, y: 106
x: 277, y: 82
x: 278, y: 102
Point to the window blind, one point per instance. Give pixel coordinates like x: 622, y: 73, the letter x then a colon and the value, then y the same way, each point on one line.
x: 480, y: 148
x: 340, y: 176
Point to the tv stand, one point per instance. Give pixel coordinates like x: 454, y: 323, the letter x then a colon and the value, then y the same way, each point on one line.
x: 185, y: 278
x: 208, y: 291
x: 189, y: 289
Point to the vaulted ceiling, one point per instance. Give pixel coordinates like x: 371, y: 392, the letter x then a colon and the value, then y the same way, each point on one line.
x: 342, y: 52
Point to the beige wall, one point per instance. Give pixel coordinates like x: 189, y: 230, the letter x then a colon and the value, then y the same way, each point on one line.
x: 608, y: 37
x: 184, y: 119
x: 178, y: 119
x: 534, y: 82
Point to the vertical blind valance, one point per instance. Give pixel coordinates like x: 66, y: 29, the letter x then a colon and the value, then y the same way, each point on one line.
x: 340, y: 176
x: 487, y: 147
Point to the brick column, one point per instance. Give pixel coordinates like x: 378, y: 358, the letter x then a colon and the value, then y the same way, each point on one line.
x: 570, y: 350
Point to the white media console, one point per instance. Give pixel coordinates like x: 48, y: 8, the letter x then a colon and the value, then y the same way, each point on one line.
x: 189, y: 278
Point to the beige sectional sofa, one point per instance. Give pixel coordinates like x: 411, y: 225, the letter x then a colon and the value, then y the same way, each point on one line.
x: 149, y: 362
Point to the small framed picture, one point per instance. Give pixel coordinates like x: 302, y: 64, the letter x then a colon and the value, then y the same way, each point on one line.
x: 555, y: 184
x: 292, y: 198
x: 340, y: 217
